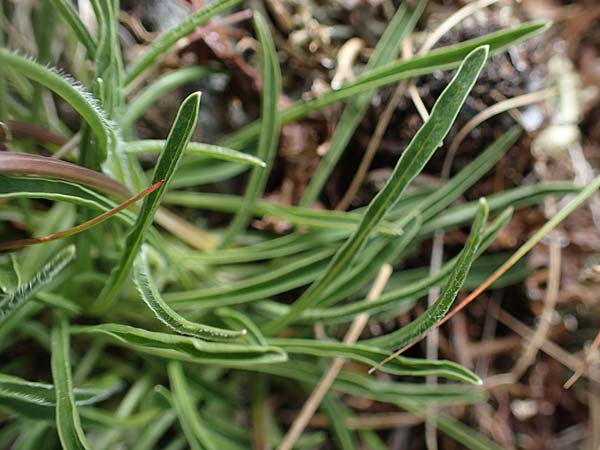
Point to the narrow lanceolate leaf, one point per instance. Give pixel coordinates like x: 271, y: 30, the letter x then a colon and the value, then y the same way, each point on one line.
x: 179, y: 136
x: 412, y: 161
x: 165, y: 313
x: 165, y: 41
x: 269, y: 132
x: 371, y: 355
x: 68, y: 422
x: 436, y: 312
x: 185, y: 348
x: 444, y: 58
x: 68, y: 13
x: 294, y: 215
x: 386, y: 51
x: 193, y: 426
x: 37, y: 401
x: 82, y: 101
x: 193, y: 148
x: 42, y: 277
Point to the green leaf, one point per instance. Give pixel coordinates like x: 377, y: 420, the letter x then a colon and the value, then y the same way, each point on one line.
x: 191, y: 423
x: 72, y: 19
x: 43, y: 277
x: 3, y: 84
x: 73, y: 93
x: 387, y: 50
x: 290, y: 275
x: 165, y: 41
x: 337, y: 415
x: 179, y: 136
x: 444, y: 58
x: 438, y: 310
x: 193, y: 148
x: 365, y: 386
x: 412, y: 161
x: 38, y: 400
x: 371, y: 355
x: 68, y: 422
x: 515, y: 198
x: 109, y: 64
x: 165, y: 313
x: 441, y: 198
x: 269, y: 132
x: 395, y: 298
x: 184, y: 348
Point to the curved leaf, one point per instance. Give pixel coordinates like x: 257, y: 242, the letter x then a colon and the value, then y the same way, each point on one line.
x: 165, y: 313
x: 43, y: 276
x: 438, y: 310
x: 372, y: 355
x: 184, y: 348
x: 82, y: 101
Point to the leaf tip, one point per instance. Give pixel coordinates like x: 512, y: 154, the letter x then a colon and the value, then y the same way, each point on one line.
x: 483, y: 203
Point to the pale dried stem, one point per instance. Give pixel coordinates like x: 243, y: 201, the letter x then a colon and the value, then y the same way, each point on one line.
x: 528, y: 356
x: 314, y: 400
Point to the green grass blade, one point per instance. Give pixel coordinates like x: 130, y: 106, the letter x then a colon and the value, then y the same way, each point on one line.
x: 150, y: 435
x: 185, y: 348
x: 395, y: 297
x: 37, y: 401
x: 3, y: 84
x: 269, y: 132
x: 444, y: 58
x: 371, y: 355
x: 162, y: 86
x: 436, y: 312
x: 295, y: 215
x: 337, y: 416
x: 193, y: 148
x: 353, y: 383
x: 387, y: 50
x: 179, y: 136
x: 412, y: 161
x: 45, y: 25
x: 191, y: 423
x: 109, y: 65
x: 165, y: 41
x: 165, y: 313
x: 517, y: 198
x: 291, y: 275
x: 239, y: 320
x: 71, y: 17
x: 82, y: 101
x: 68, y: 422
x: 441, y: 198
x: 43, y: 276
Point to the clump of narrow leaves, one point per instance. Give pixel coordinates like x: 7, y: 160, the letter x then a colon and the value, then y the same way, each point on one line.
x: 156, y: 330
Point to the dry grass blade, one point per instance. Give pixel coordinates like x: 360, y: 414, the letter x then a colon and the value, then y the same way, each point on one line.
x: 595, y: 345
x: 313, y: 402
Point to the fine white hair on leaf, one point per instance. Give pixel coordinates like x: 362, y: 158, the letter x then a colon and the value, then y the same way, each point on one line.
x: 44, y: 276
